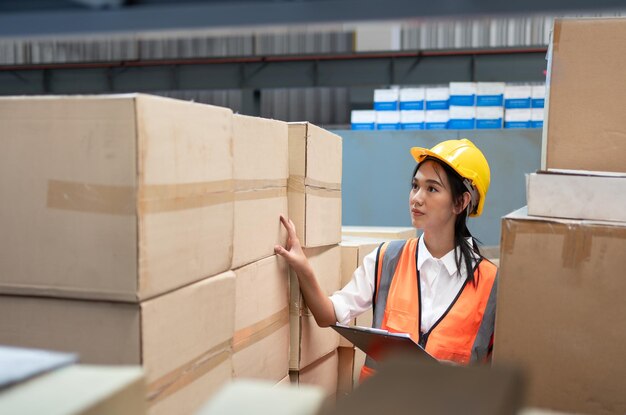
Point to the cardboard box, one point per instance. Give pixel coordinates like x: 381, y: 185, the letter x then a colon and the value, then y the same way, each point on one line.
x: 386, y: 99
x: 345, y: 363
x: 402, y: 385
x: 462, y: 94
x: 310, y: 342
x: 412, y: 120
x: 182, y: 339
x: 437, y: 98
x: 260, y: 172
x: 557, y: 193
x: 256, y: 397
x: 585, y: 125
x: 353, y: 252
x: 387, y: 120
x: 437, y: 119
x: 315, y: 184
x: 412, y: 99
x: 113, y: 197
x: 490, y: 94
x: 286, y: 381
x: 78, y: 390
x: 379, y: 232
x: 561, y: 311
x: 363, y: 119
x: 323, y: 373
x: 261, y: 339
x: 352, y: 359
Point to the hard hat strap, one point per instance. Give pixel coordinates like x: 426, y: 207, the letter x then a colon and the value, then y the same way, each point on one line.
x: 471, y: 206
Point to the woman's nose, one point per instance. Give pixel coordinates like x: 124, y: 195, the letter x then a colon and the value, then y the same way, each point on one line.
x: 417, y: 197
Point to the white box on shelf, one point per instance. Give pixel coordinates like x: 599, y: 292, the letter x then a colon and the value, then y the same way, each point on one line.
x: 463, y: 94
x: 412, y: 120
x: 412, y: 98
x: 437, y: 98
x: 437, y: 119
x: 387, y: 120
x: 489, y: 117
x: 386, y: 99
x: 538, y: 95
x: 363, y: 119
x: 517, y: 96
x: 489, y: 94
x: 462, y: 118
x: 536, y: 117
x: 517, y: 118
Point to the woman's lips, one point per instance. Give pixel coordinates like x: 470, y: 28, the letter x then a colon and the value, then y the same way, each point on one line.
x: 416, y: 212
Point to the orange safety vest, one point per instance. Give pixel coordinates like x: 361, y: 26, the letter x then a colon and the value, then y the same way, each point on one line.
x: 463, y: 334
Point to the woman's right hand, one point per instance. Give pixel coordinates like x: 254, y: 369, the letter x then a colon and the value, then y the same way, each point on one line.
x: 318, y: 302
x: 292, y: 252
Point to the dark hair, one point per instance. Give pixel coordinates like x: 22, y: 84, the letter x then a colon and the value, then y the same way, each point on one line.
x: 466, y: 249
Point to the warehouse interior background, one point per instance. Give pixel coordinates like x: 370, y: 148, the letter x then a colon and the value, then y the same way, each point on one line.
x: 314, y: 60
x: 324, y: 62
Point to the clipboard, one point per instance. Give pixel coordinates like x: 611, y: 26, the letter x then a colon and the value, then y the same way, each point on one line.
x: 378, y: 343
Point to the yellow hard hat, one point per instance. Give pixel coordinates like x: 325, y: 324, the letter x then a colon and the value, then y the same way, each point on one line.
x: 464, y: 158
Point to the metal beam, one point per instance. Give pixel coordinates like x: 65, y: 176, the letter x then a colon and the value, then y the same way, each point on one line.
x: 253, y: 73
x: 164, y: 15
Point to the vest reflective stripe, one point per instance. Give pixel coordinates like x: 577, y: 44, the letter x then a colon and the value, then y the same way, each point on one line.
x: 464, y: 332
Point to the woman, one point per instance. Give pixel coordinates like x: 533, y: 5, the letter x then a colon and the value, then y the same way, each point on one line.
x: 422, y: 286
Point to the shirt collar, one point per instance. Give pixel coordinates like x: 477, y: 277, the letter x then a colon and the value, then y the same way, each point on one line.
x: 448, y: 260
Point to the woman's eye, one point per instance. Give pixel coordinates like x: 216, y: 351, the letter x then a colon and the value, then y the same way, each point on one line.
x: 431, y: 189
x: 414, y: 186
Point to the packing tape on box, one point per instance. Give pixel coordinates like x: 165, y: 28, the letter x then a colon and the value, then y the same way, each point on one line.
x: 556, y: 35
x: 249, y: 335
x: 259, y: 184
x: 300, y: 184
x: 270, y: 193
x: 153, y: 198
x: 189, y: 372
x: 577, y: 242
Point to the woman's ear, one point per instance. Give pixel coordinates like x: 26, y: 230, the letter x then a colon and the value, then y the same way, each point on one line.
x: 462, y: 203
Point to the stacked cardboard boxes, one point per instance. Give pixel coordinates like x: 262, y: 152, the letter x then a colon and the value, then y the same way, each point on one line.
x: 560, y: 315
x: 78, y: 390
x: 351, y: 359
x: 118, y: 238
x: 315, y: 207
x: 261, y: 170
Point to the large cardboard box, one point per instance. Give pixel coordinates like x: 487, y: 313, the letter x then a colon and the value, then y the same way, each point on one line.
x: 382, y: 233
x: 353, y: 251
x: 256, y: 397
x: 401, y: 385
x: 182, y: 339
x: 557, y: 193
x: 585, y: 126
x: 260, y: 171
x: 261, y: 339
x: 323, y: 373
x: 315, y: 184
x: 561, y: 312
x: 310, y: 342
x: 78, y: 390
x: 352, y: 359
x: 113, y: 197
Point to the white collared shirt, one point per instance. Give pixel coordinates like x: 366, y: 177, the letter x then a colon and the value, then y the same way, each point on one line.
x: 440, y: 282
